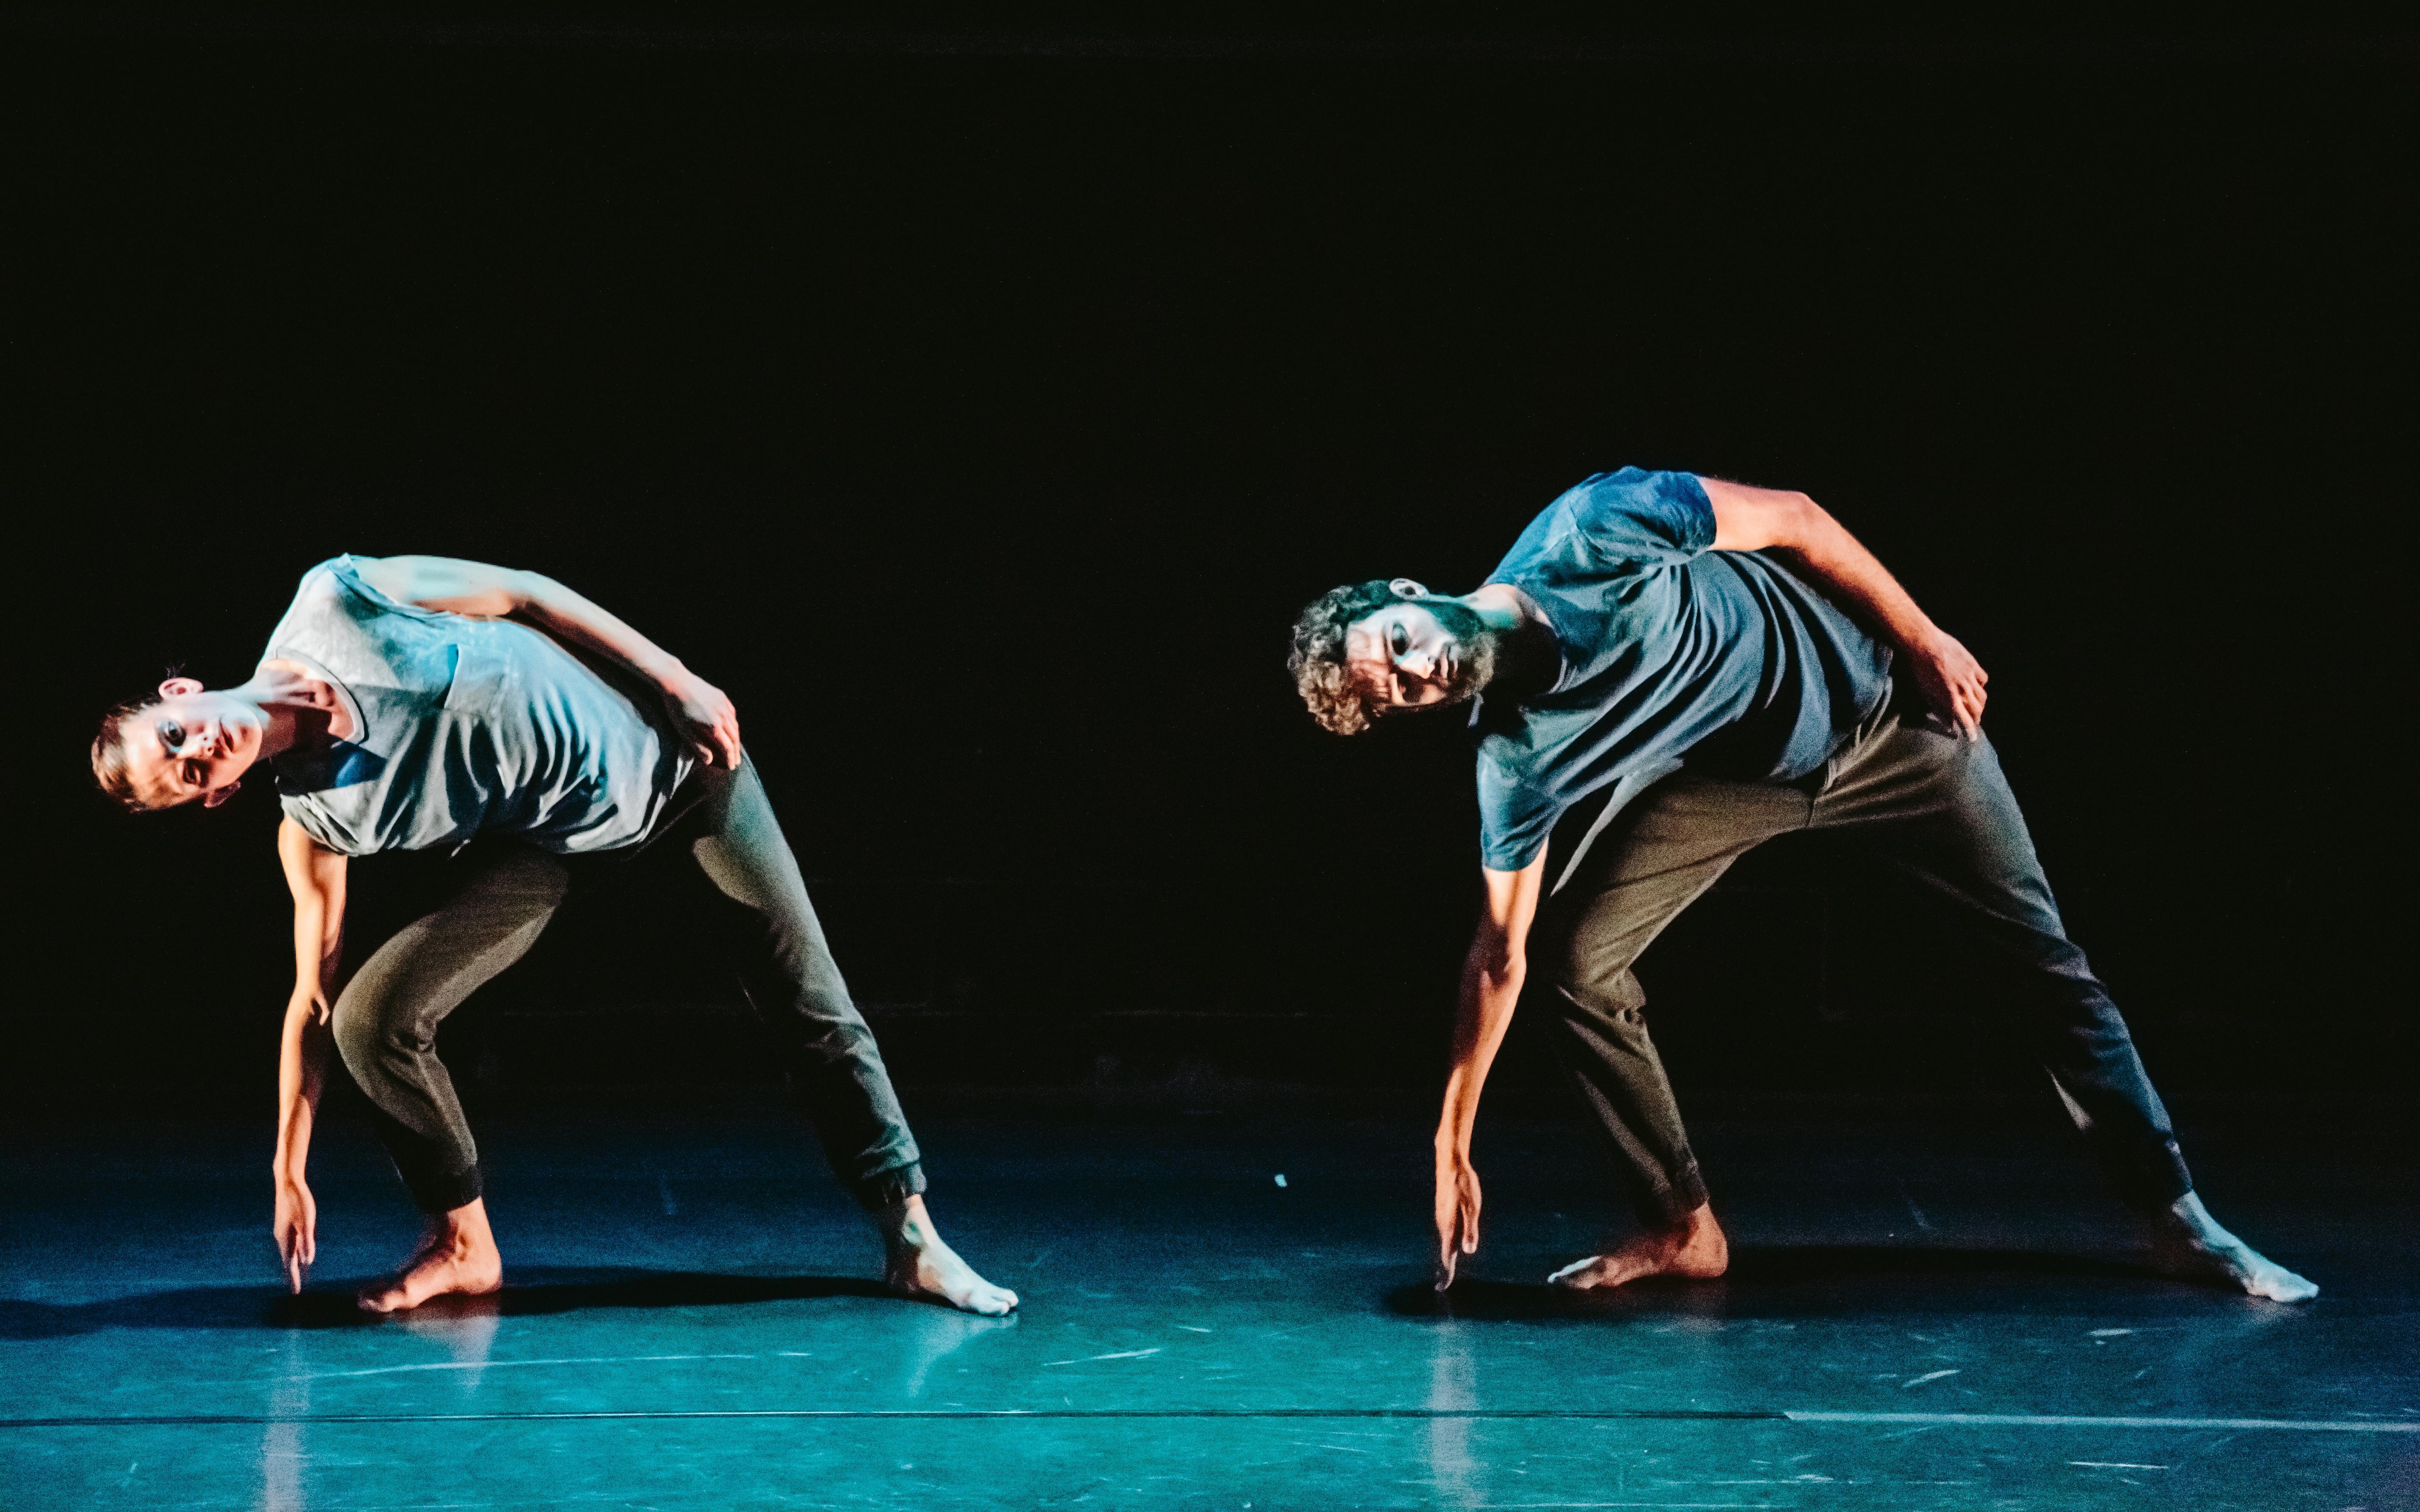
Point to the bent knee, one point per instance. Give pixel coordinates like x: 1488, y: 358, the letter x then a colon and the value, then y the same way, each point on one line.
x: 369, y: 1028
x: 1589, y: 980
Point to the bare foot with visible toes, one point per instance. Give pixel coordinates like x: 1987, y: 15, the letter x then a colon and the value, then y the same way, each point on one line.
x: 917, y: 1264
x: 1697, y: 1252
x: 456, y: 1257
x: 2188, y: 1244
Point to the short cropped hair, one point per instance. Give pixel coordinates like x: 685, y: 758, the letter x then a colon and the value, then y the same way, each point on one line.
x: 110, y: 767
x: 1339, y: 704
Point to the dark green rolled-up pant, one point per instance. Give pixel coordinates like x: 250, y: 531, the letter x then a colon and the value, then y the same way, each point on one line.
x: 722, y: 832
x: 1933, y: 806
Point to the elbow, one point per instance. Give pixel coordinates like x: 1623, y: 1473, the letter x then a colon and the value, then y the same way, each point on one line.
x: 1796, y: 519
x: 526, y: 591
x: 1499, y: 962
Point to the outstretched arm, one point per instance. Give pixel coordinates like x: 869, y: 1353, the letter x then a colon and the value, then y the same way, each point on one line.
x: 316, y: 875
x: 1491, y: 988
x: 454, y: 586
x: 1759, y: 519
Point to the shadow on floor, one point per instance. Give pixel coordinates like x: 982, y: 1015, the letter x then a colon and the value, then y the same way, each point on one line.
x: 533, y: 1291
x: 1813, y: 1280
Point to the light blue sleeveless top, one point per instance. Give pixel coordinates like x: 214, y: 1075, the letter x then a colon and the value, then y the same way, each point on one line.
x: 463, y: 727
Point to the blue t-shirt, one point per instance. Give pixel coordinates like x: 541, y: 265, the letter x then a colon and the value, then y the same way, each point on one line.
x: 1667, y: 649
x: 463, y: 727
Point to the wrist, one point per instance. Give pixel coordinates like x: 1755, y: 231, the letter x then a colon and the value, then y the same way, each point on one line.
x: 665, y: 671
x: 1915, y: 636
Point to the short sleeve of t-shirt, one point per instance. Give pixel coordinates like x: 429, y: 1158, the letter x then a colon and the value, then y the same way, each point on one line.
x: 1514, y: 821
x: 1647, y: 519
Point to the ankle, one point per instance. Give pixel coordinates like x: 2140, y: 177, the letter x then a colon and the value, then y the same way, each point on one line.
x: 906, y: 1226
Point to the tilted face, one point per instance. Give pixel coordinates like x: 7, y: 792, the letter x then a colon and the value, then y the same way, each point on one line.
x: 191, y: 743
x: 1417, y: 653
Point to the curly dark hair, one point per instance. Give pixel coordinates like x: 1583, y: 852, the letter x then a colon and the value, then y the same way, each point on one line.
x: 1327, y: 684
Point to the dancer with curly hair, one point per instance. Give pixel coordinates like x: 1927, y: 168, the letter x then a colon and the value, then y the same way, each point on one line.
x: 1731, y: 665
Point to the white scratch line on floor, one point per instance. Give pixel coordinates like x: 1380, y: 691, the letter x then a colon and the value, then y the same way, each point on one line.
x: 2110, y: 1333
x: 2112, y: 1464
x: 1921, y: 1380
x: 499, y: 1364
x: 1121, y: 1354
x: 2043, y: 1419
x: 1190, y: 1329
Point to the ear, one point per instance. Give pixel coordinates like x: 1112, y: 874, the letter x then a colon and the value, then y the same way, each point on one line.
x: 177, y: 688
x: 1402, y: 588
x: 218, y: 795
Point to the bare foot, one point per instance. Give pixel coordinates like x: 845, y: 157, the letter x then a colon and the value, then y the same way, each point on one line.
x: 1697, y: 1252
x: 919, y: 1265
x: 458, y: 1256
x: 2188, y: 1244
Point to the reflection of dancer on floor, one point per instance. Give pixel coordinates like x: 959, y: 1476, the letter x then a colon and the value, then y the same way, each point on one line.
x: 420, y: 702
x: 1689, y: 643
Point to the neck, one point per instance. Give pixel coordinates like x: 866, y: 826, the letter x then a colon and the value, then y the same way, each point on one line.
x: 1527, y: 652
x: 1503, y: 608
x: 296, y: 709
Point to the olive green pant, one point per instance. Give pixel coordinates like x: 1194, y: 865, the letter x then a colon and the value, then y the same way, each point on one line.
x: 1933, y: 806
x: 722, y: 834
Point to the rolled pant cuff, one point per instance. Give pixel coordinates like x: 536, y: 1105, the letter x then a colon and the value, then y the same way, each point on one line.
x: 1669, y: 1208
x: 436, y: 1192
x: 890, y: 1188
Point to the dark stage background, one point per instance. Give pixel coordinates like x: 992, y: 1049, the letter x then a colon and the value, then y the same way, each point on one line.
x: 977, y: 407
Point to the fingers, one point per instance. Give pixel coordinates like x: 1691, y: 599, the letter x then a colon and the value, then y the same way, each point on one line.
x: 1449, y: 1232
x: 717, y: 744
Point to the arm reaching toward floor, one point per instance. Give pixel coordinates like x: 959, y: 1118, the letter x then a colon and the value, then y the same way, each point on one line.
x: 1491, y: 988
x: 316, y: 877
x: 1756, y: 519
x: 453, y: 586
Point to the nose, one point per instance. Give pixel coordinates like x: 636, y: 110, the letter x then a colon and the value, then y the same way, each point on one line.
x: 1421, y: 661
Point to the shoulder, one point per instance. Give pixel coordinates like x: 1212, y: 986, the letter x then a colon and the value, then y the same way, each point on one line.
x: 1636, y: 518
x: 367, y: 587
x: 1639, y: 493
x: 338, y: 577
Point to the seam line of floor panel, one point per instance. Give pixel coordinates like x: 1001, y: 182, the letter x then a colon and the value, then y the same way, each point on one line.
x: 1415, y: 1414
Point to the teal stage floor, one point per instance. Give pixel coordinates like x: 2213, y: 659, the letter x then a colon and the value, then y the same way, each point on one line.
x: 1926, y: 1312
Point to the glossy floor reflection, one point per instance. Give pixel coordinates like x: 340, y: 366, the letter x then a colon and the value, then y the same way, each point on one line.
x: 689, y: 1323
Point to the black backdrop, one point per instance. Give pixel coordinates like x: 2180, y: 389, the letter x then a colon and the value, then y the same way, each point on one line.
x: 977, y: 407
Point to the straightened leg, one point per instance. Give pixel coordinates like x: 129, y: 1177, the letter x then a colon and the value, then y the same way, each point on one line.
x: 787, y: 971
x: 1939, y: 808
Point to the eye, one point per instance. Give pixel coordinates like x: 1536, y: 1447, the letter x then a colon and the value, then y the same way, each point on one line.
x: 194, y: 773
x: 1399, y: 640
x: 172, y: 735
